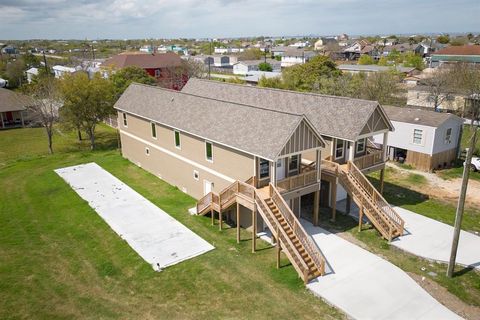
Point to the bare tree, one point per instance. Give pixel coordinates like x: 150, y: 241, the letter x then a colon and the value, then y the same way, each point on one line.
x: 439, y: 87
x: 45, y: 105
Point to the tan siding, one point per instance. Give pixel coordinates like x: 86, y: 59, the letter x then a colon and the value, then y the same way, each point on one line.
x: 376, y: 123
x: 426, y: 162
x: 303, y: 138
x: 226, y: 161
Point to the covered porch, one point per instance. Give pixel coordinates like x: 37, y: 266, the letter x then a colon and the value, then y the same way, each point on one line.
x: 12, y: 119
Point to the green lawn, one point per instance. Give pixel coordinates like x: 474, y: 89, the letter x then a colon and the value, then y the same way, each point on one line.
x: 60, y: 260
x: 397, y: 192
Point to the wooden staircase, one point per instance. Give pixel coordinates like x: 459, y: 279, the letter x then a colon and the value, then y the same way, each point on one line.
x: 371, y: 202
x: 287, y: 230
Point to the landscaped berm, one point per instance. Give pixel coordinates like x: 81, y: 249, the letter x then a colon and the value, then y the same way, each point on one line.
x: 59, y: 259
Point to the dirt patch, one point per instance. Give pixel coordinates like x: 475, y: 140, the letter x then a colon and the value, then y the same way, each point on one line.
x: 446, y: 298
x: 447, y: 190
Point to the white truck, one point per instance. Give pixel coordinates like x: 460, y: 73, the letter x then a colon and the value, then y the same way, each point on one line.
x: 475, y: 166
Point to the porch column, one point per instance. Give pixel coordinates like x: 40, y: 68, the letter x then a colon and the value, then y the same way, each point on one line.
x: 1, y: 119
x: 348, y: 204
x: 333, y: 199
x: 273, y: 178
x: 238, y: 223
x: 351, y: 150
x: 21, y: 117
x: 382, y: 176
x: 385, y: 146
x: 318, y: 165
x: 254, y: 228
x: 316, y: 205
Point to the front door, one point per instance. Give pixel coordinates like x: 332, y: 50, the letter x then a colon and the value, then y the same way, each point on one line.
x: 207, y: 187
x: 280, y: 169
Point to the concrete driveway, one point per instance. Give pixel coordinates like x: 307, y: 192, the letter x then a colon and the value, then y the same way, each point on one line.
x: 431, y: 239
x: 366, y: 286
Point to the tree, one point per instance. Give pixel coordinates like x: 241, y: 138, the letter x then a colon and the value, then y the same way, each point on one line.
x: 365, y: 59
x: 307, y: 76
x: 443, y: 39
x: 383, y: 61
x: 275, y: 82
x: 382, y: 87
x: 265, y: 66
x: 410, y: 59
x: 251, y: 54
x: 31, y: 60
x: 395, y: 56
x: 15, y: 73
x: 45, y: 105
x: 194, y: 69
x: 122, y: 78
x: 439, y: 87
x: 86, y: 102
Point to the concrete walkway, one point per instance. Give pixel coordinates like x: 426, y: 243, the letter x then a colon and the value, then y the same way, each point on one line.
x: 366, y: 286
x: 431, y: 239
x: 157, y: 237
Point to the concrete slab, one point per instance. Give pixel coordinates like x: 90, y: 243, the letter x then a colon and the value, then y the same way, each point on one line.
x: 432, y: 239
x: 366, y: 286
x: 158, y: 238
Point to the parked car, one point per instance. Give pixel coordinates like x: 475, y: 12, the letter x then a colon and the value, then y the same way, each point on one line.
x: 475, y: 166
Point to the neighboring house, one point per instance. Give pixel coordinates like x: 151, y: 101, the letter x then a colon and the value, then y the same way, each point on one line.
x: 13, y: 109
x: 323, y: 42
x: 400, y: 48
x: 166, y: 68
x: 9, y: 50
x: 278, y: 51
x: 61, y: 71
x: 252, y: 77
x: 421, y: 96
x: 424, y: 139
x: 387, y: 42
x: 222, y: 50
x: 244, y: 67
x: 426, y: 48
x: 300, y: 44
x: 373, y: 68
x: 31, y: 73
x: 454, y: 54
x: 354, y: 51
x: 146, y: 49
x: 292, y: 57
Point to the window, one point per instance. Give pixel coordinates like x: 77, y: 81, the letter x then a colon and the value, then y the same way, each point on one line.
x: 177, y: 139
x: 209, y: 151
x: 264, y: 169
x: 417, y: 136
x: 124, y: 119
x: 147, y: 151
x: 360, y: 146
x: 293, y: 165
x: 157, y: 73
x: 339, y: 148
x: 448, y: 136
x: 195, y: 175
x: 154, y: 130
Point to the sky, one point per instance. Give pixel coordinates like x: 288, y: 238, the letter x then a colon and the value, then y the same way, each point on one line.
x: 137, y: 19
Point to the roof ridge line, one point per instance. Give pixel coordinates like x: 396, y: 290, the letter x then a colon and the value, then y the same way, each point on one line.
x: 289, y: 91
x: 219, y: 100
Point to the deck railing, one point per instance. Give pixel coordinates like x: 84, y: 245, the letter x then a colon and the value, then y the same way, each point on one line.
x: 298, y: 181
x: 374, y: 157
x: 303, y: 236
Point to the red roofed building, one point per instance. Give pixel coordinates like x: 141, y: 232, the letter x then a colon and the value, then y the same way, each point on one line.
x: 167, y: 68
x: 453, y: 54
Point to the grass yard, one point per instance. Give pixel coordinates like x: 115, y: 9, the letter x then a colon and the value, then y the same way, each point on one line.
x: 397, y: 192
x: 60, y: 260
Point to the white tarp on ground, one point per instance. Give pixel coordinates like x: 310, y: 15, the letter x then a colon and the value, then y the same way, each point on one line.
x: 157, y: 237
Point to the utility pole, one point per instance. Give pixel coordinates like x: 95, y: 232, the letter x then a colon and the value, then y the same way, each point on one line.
x: 209, y: 58
x: 461, y: 203
x: 45, y: 61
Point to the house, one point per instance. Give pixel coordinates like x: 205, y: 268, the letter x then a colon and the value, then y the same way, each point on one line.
x: 361, y: 68
x: 321, y: 43
x: 13, y: 109
x: 424, y: 139
x: 252, y: 77
x: 278, y: 51
x: 260, y: 156
x: 454, y: 54
x: 300, y: 44
x: 292, y: 57
x: 354, y: 51
x: 387, y: 42
x: 423, y: 97
x: 244, y: 67
x: 146, y: 49
x: 9, y: 50
x: 31, y: 73
x: 60, y: 71
x: 426, y: 48
x: 166, y: 68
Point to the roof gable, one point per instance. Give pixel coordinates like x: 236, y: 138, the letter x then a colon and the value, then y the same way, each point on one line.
x: 376, y: 123
x: 303, y: 138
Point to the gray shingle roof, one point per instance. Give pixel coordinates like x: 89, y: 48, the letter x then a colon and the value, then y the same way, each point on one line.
x: 418, y: 116
x: 13, y: 101
x: 331, y: 116
x: 256, y: 131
